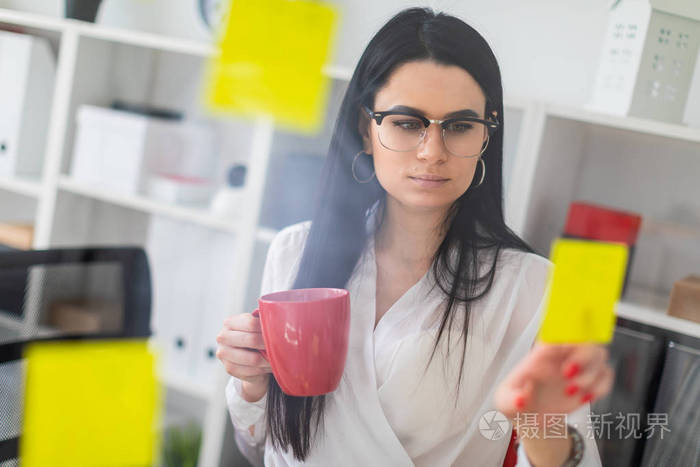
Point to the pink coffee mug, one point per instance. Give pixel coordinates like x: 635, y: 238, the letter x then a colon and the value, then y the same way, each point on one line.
x: 306, y: 338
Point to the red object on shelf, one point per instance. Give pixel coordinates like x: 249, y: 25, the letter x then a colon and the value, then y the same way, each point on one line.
x: 593, y: 222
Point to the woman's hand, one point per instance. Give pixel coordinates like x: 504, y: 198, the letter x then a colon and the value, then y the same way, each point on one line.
x: 238, y: 341
x: 555, y: 379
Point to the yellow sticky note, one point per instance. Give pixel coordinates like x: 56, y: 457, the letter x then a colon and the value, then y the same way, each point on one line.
x: 584, y: 287
x: 272, y: 54
x: 90, y: 403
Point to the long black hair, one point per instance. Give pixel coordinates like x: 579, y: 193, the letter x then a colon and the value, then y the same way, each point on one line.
x: 337, y: 237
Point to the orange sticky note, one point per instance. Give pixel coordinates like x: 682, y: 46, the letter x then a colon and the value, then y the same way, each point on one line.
x: 585, y: 284
x: 272, y: 54
x: 90, y: 403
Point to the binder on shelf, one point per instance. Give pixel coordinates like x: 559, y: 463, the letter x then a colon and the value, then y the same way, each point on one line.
x: 176, y: 270
x: 217, y: 304
x: 191, y: 289
x: 192, y: 270
x: 26, y: 89
x: 163, y: 258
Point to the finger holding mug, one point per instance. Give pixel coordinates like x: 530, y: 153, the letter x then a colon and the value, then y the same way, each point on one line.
x: 240, y: 343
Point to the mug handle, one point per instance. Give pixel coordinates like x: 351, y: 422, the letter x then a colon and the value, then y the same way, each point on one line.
x: 256, y: 313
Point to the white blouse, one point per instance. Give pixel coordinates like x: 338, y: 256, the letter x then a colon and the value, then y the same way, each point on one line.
x: 388, y: 410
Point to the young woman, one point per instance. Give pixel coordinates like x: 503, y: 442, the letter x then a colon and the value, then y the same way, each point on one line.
x: 446, y: 301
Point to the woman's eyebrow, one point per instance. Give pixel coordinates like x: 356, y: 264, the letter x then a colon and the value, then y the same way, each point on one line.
x: 456, y: 113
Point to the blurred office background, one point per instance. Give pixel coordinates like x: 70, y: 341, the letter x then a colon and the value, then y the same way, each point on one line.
x: 104, y: 141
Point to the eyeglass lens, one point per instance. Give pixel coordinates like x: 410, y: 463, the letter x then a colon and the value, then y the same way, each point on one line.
x: 404, y: 133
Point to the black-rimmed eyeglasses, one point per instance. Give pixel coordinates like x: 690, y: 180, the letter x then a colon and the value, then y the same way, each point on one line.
x: 404, y: 131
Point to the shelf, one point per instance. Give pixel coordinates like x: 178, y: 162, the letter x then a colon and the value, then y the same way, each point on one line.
x: 141, y: 203
x: 32, y: 20
x: 97, y: 31
x: 23, y: 186
x: 176, y: 45
x: 658, y: 318
x: 133, y: 37
x: 652, y: 127
x: 144, y: 39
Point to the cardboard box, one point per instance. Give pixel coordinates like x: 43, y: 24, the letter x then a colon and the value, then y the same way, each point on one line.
x: 20, y: 236
x: 685, y: 299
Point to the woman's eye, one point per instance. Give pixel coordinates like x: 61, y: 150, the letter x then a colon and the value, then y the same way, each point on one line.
x: 459, y: 127
x: 409, y: 124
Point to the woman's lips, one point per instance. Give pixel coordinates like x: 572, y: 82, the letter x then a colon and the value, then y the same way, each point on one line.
x: 426, y: 183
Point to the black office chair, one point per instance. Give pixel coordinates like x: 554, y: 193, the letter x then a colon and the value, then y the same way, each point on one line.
x: 64, y: 294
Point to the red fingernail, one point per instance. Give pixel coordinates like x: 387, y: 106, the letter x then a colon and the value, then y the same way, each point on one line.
x: 571, y: 389
x: 587, y: 397
x: 519, y: 402
x: 572, y: 370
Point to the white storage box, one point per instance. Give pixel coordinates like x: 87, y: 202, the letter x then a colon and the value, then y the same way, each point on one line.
x: 120, y: 150
x: 177, y: 189
x: 648, y: 59
x: 27, y: 71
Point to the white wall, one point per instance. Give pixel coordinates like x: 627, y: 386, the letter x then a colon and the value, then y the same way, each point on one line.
x: 548, y: 49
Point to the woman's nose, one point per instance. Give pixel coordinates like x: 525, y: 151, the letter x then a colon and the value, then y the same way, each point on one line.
x: 432, y: 147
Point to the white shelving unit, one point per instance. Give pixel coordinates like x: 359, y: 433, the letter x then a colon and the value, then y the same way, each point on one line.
x: 657, y: 318
x: 96, y: 65
x: 25, y: 187
x: 194, y: 214
x: 552, y: 155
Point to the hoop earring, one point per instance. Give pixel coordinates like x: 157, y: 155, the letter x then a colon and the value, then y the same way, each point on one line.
x: 486, y: 144
x: 353, y: 169
x: 483, y: 173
